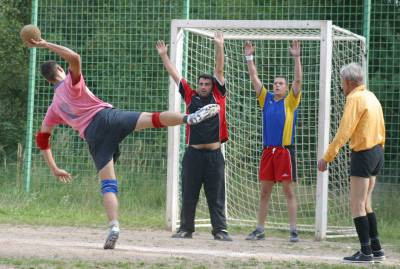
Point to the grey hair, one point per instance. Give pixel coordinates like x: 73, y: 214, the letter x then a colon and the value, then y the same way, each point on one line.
x: 352, y: 72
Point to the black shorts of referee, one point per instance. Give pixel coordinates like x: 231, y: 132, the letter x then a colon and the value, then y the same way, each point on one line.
x: 366, y: 163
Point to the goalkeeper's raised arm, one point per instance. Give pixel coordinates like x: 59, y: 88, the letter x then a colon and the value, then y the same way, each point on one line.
x: 219, y: 57
x: 295, y: 51
x: 249, y: 50
x: 162, y: 50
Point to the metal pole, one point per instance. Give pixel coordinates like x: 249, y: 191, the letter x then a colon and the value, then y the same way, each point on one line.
x: 31, y: 99
x: 366, y: 33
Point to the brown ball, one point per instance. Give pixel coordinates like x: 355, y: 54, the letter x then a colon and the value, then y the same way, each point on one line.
x: 29, y: 32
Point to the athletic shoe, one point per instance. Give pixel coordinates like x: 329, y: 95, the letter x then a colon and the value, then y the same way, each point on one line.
x: 360, y: 257
x: 182, y: 234
x: 222, y: 236
x: 256, y: 235
x: 112, y: 237
x: 294, y: 237
x: 202, y: 114
x: 378, y: 255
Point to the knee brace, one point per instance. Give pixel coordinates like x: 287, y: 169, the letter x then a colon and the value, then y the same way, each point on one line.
x: 155, y: 119
x: 109, y: 185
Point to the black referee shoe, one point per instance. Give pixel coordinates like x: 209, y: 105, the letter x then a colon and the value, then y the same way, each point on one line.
x: 360, y: 257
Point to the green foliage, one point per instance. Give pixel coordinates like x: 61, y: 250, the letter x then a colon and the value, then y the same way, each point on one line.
x: 13, y: 76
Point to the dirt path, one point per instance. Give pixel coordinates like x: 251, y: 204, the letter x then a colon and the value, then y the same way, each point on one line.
x: 75, y: 243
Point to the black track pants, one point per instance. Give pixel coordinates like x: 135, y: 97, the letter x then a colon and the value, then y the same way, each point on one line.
x: 203, y: 167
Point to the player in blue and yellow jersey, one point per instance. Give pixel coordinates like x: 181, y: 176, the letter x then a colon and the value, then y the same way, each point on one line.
x: 277, y: 164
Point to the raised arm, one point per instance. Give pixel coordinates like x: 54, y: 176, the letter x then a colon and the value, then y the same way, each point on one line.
x: 295, y: 51
x: 219, y: 57
x: 169, y: 66
x: 73, y: 58
x: 43, y: 142
x: 249, y: 54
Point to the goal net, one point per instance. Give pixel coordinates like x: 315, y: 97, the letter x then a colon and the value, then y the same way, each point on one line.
x: 323, y: 205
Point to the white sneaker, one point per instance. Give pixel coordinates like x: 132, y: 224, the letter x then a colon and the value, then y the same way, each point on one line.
x: 112, y: 237
x: 202, y: 114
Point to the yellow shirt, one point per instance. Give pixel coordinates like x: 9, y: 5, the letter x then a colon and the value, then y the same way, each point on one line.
x: 362, y: 122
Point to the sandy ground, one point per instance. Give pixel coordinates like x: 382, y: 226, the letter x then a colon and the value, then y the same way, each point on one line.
x: 76, y: 243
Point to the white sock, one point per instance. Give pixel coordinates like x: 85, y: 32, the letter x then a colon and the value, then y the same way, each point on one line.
x: 114, y: 223
x: 260, y: 228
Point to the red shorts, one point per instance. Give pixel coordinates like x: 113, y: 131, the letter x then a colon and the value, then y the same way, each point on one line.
x: 275, y: 164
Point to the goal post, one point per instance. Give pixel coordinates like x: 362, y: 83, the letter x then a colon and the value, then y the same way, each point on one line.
x: 322, y: 197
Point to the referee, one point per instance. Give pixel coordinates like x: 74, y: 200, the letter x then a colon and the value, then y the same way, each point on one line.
x: 362, y: 123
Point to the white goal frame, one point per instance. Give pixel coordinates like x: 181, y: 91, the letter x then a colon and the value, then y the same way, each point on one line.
x: 325, y: 30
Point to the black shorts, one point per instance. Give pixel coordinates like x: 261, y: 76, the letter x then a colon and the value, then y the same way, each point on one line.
x: 107, y: 129
x: 366, y: 163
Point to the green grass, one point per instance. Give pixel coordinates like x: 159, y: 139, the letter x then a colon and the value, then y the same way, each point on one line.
x: 142, y: 204
x: 177, y: 263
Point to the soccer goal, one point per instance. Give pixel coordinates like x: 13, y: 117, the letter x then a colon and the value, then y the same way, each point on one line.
x: 323, y: 205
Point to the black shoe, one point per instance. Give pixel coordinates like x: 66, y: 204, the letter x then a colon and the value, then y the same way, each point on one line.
x: 360, y: 257
x: 256, y: 235
x: 182, y: 234
x: 222, y: 236
x: 294, y: 236
x: 378, y: 255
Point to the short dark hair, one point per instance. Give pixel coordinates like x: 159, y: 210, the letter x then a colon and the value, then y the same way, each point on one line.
x: 205, y: 76
x: 281, y: 76
x: 49, y: 70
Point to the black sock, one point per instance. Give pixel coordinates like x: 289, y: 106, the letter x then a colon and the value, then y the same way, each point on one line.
x: 185, y: 119
x: 362, y: 228
x: 373, y: 232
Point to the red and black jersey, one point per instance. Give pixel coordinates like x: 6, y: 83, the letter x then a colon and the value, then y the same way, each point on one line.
x: 213, y: 129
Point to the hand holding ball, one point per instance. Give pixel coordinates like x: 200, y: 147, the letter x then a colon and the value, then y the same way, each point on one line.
x: 29, y: 32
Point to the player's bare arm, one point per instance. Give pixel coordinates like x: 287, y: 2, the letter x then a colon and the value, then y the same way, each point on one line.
x: 249, y: 50
x: 219, y: 57
x: 73, y: 58
x: 162, y: 50
x: 43, y: 142
x: 295, y: 51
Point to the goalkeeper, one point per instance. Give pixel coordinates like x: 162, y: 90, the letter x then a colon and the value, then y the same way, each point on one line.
x: 203, y: 162
x: 278, y: 163
x: 102, y: 126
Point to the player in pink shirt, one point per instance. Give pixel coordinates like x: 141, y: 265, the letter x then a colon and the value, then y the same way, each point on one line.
x: 102, y: 126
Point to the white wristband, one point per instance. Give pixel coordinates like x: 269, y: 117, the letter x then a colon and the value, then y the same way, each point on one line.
x: 249, y: 57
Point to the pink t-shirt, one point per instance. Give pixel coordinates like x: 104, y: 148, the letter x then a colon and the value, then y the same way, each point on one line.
x: 74, y: 105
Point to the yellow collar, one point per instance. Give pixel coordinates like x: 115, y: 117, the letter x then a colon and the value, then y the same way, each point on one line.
x: 356, y: 89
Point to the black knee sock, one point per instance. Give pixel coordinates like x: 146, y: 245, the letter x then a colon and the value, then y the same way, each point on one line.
x: 373, y: 231
x: 362, y: 227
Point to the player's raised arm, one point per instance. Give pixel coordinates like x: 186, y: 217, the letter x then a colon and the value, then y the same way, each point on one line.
x: 43, y: 142
x: 249, y: 54
x: 219, y: 57
x: 162, y: 50
x: 295, y: 51
x: 73, y: 58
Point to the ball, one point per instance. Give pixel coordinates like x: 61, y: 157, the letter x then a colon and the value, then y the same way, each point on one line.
x: 29, y: 32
